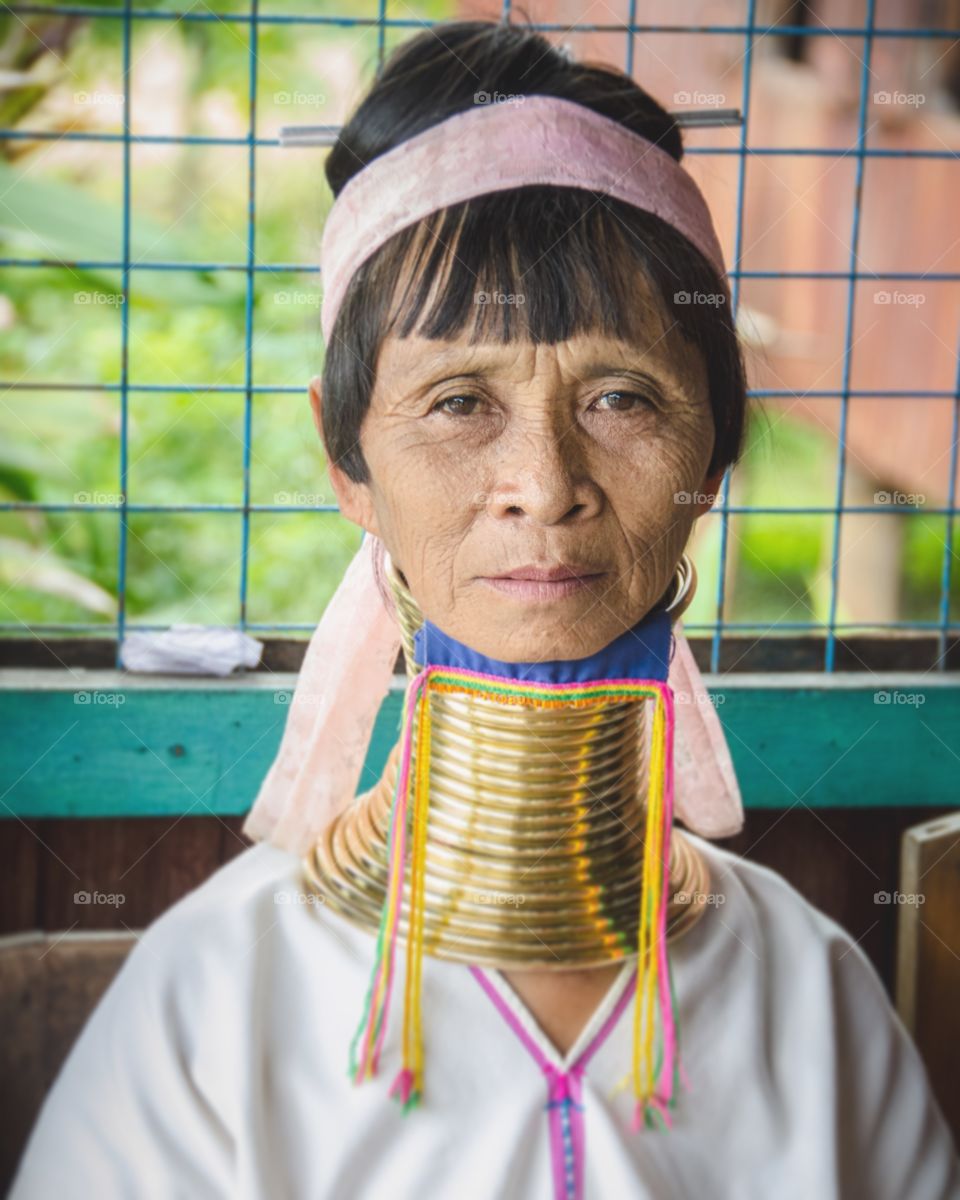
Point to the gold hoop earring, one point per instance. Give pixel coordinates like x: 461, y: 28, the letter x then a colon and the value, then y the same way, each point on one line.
x: 685, y: 586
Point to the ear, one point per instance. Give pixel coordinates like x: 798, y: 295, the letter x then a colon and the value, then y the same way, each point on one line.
x: 316, y: 404
x: 709, y: 493
x: 354, y: 499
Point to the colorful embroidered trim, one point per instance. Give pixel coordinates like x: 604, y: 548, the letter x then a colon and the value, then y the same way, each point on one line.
x: 564, y: 1105
x: 655, y: 1070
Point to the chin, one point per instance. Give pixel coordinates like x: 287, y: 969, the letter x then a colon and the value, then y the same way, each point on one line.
x: 543, y: 639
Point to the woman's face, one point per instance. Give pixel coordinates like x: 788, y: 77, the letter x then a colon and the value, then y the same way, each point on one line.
x: 487, y: 460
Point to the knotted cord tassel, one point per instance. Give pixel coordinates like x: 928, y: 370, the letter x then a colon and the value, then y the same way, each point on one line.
x: 655, y: 1084
x: 372, y: 1027
x: 408, y: 1084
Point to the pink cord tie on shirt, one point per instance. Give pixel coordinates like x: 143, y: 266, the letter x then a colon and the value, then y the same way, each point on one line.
x: 566, y: 1128
x: 564, y: 1085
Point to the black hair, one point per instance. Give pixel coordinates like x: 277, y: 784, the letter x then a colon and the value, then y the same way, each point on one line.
x: 574, y: 254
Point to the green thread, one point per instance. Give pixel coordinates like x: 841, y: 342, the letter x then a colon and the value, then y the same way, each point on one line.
x: 531, y: 692
x: 378, y: 956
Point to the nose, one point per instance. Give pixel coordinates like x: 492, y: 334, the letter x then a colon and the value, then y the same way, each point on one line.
x: 542, y: 476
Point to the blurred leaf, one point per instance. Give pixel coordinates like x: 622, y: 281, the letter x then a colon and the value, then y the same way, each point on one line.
x: 55, y: 219
x: 26, y: 566
x: 17, y: 483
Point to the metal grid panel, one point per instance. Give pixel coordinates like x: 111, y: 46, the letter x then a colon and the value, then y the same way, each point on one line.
x: 751, y: 32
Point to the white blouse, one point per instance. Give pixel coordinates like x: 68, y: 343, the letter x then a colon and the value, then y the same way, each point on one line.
x: 216, y: 1065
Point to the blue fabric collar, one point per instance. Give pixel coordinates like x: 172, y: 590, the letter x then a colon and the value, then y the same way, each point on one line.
x: 643, y: 652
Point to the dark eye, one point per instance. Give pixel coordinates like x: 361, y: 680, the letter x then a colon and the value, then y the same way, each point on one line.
x: 459, y: 406
x: 624, y: 401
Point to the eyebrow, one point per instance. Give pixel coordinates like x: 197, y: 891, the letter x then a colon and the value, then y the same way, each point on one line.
x: 595, y: 370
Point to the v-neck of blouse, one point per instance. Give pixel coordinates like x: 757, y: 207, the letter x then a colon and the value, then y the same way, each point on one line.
x: 590, y: 1037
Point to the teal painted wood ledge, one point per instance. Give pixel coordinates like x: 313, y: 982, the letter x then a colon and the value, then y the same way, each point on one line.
x: 110, y: 744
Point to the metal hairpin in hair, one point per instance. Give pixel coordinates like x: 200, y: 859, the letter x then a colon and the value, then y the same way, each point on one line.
x: 689, y: 118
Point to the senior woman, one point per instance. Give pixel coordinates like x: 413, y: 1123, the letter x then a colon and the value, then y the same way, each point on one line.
x: 515, y: 399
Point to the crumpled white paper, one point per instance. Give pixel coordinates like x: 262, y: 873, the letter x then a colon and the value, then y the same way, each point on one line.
x: 190, y: 650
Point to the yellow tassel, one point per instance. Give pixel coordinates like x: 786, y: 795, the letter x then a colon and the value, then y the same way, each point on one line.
x: 412, y: 1021
x: 651, y: 899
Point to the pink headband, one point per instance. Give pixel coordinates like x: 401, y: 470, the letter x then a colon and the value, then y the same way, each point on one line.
x: 492, y: 147
x: 349, y: 662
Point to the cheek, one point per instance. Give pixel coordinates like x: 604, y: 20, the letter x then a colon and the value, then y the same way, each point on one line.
x: 433, y: 459
x: 419, y: 481
x: 423, y: 515
x: 642, y: 479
